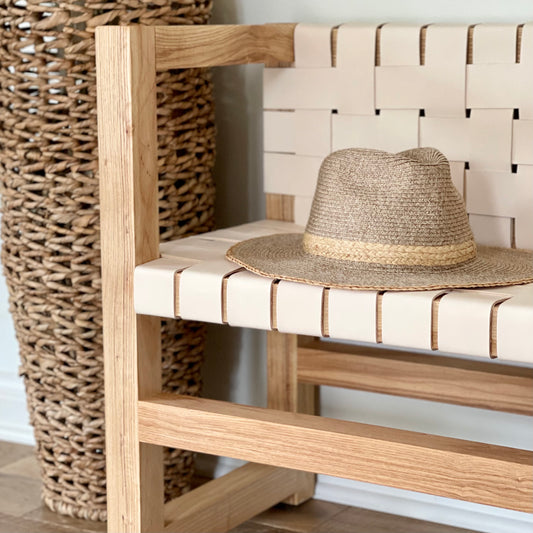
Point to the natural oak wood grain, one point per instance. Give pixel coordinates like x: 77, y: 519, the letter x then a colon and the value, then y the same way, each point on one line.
x: 465, y: 470
x: 493, y: 339
x: 209, y: 46
x: 129, y: 218
x: 127, y: 61
x: 280, y: 207
x: 226, y: 502
x: 282, y: 382
x: 436, y: 378
x: 379, y: 318
x: 314, y: 515
x: 435, y: 322
x: 177, y: 293
x: 286, y: 394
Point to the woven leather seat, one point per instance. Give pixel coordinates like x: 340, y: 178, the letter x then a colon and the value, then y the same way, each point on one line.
x: 193, y: 280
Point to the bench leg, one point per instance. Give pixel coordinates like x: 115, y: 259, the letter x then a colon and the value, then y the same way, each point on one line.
x: 134, y: 469
x: 286, y: 394
x: 127, y: 133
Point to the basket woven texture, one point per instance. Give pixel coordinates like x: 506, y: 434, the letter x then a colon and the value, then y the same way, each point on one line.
x: 50, y: 226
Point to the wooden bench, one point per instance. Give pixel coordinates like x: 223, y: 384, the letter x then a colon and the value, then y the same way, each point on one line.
x: 465, y: 90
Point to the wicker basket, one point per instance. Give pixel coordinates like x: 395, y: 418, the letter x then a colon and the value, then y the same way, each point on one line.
x: 50, y: 227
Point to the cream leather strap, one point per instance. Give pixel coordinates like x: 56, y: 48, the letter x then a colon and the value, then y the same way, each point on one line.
x: 389, y: 254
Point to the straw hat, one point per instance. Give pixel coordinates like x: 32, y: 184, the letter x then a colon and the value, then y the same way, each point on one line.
x: 385, y: 222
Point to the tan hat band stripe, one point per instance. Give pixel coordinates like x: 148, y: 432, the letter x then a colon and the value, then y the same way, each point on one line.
x: 389, y: 254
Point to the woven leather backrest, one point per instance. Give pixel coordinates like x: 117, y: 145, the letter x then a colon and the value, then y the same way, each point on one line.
x: 467, y: 91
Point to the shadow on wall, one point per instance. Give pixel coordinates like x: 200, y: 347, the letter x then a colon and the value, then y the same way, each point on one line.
x: 235, y: 366
x: 239, y: 162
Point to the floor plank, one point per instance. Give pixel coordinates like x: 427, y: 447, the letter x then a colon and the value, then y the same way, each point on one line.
x: 19, y: 495
x: 310, y: 516
x: 18, y: 524
x: 25, y: 467
x: 250, y: 527
x: 11, y: 452
x: 43, y: 515
x: 353, y: 520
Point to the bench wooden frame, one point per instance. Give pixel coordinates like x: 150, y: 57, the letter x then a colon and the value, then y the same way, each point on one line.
x: 139, y: 419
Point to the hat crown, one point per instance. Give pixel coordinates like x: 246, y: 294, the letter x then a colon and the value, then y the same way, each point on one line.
x: 402, y: 205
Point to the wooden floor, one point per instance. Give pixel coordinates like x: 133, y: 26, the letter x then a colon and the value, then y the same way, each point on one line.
x: 21, y: 510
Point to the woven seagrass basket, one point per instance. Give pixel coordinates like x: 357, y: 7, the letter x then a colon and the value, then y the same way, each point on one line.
x: 50, y: 226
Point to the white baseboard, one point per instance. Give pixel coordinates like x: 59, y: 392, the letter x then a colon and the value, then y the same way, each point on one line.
x: 14, y: 421
x: 456, y: 513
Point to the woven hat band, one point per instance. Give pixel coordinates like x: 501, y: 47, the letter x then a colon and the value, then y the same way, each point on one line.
x: 389, y: 254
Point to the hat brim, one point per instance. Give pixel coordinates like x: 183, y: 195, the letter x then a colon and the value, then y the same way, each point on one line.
x: 282, y: 256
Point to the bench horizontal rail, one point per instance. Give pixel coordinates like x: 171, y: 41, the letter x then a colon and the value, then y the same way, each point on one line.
x: 464, y: 470
x: 485, y: 385
x: 231, y: 499
x: 220, y: 45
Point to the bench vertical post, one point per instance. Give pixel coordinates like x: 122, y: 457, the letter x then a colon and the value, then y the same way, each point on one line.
x: 127, y: 132
x: 286, y: 394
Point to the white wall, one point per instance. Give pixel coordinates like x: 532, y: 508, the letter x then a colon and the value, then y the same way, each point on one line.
x: 14, y: 425
x: 235, y: 367
x: 236, y: 358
